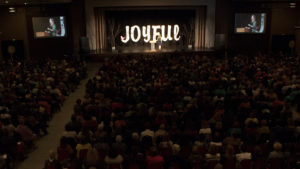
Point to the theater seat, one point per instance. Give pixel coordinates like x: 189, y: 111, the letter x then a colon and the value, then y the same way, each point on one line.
x: 259, y: 164
x: 245, y: 164
x: 275, y: 163
x: 83, y: 154
x: 230, y: 164
x: 211, y: 164
x: 114, y: 166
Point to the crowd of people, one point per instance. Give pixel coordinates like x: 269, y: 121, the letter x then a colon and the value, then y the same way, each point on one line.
x: 30, y: 92
x: 173, y: 111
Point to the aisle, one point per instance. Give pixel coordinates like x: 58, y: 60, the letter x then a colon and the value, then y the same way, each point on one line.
x: 37, y: 158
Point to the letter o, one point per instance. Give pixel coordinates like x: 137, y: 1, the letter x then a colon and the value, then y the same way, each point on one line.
x: 133, y: 28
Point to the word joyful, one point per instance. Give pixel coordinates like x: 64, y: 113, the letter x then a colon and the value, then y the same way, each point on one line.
x: 136, y: 33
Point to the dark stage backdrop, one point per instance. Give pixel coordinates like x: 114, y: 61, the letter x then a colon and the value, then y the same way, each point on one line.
x: 117, y: 20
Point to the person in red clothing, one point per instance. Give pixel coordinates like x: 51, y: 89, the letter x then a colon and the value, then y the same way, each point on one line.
x: 154, y: 159
x: 90, y: 123
x: 64, y: 151
x: 25, y: 132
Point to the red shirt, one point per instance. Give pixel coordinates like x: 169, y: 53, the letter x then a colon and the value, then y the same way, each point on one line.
x: 156, y: 162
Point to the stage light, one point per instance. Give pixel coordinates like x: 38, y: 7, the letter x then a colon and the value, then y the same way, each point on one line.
x: 12, y: 10
x: 293, y: 5
x: 133, y: 28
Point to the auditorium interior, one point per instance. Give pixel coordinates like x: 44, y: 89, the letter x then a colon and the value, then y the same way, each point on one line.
x: 149, y: 84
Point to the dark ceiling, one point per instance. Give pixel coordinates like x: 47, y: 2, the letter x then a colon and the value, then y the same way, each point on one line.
x: 32, y: 2
x: 35, y: 2
x: 265, y: 0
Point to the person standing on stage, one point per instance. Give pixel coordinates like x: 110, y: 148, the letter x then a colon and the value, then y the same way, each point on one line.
x: 159, y: 41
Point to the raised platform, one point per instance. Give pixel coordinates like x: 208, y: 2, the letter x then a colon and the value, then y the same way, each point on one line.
x: 99, y: 54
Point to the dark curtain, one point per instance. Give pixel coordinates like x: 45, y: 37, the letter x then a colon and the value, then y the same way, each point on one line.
x: 101, y: 26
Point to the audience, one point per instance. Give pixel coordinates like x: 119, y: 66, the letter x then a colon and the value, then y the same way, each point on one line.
x: 166, y: 111
x: 30, y: 92
x: 52, y: 162
x: 178, y: 111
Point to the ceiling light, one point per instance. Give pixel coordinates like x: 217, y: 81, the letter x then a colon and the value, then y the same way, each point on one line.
x: 293, y: 5
x: 12, y: 9
x: 25, y: 3
x: 6, y: 2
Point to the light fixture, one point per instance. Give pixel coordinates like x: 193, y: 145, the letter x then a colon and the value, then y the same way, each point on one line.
x: 292, y: 4
x: 6, y: 1
x: 12, y: 10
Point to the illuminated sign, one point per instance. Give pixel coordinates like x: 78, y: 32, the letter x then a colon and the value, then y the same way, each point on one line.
x: 135, y: 33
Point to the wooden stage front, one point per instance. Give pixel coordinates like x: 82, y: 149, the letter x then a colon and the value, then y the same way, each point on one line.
x: 100, y: 54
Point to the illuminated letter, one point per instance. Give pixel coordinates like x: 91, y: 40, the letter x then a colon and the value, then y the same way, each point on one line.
x: 155, y: 33
x: 163, y: 34
x: 176, y: 31
x: 163, y: 37
x: 138, y: 33
x: 146, y: 33
x: 126, y: 38
x: 169, y: 37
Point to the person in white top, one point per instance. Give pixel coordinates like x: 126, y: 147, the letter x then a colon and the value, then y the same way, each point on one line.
x: 147, y: 132
x: 160, y: 132
x: 113, y: 159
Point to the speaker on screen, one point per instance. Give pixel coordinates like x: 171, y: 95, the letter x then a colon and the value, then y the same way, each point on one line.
x: 84, y: 45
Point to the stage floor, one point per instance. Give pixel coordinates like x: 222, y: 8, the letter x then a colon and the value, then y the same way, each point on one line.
x: 100, y: 54
x: 140, y: 50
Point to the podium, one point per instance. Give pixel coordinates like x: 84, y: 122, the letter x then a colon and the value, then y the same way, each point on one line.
x: 42, y: 34
x: 152, y: 43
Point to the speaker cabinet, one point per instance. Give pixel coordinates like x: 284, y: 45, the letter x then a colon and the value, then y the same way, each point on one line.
x: 219, y: 41
x: 283, y: 43
x: 13, y: 49
x: 84, y: 45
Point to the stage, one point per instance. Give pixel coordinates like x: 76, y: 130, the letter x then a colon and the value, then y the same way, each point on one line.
x: 97, y: 55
